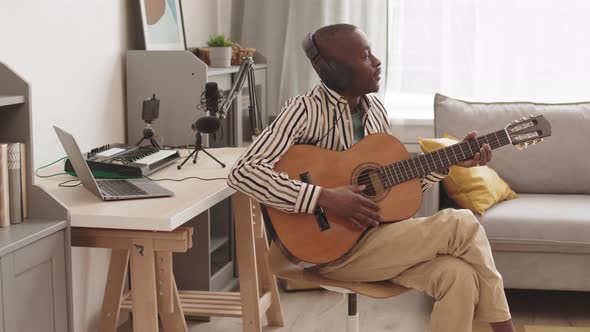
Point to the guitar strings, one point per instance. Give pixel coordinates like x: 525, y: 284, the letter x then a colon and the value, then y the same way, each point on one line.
x: 385, y: 175
x: 403, y: 172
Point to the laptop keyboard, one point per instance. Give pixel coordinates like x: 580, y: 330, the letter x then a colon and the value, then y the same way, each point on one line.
x: 120, y: 188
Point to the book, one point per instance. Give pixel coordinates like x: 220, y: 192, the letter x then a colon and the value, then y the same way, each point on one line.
x: 15, y: 183
x: 4, y: 194
x: 23, y: 179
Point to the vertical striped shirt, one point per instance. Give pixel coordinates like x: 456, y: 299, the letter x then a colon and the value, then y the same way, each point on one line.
x: 320, y: 117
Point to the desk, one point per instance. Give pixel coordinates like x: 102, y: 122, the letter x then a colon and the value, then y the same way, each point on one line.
x: 147, y: 231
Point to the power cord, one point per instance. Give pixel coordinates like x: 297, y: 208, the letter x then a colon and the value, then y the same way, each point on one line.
x: 65, y: 183
x: 51, y: 175
x: 333, y: 126
x: 186, y: 178
x: 61, y: 184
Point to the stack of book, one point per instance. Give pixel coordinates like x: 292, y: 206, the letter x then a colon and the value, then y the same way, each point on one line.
x: 13, y: 185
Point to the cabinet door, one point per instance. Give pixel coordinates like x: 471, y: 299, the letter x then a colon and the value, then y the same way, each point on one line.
x: 34, y: 287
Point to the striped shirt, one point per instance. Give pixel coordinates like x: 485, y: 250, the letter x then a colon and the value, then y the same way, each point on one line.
x: 320, y: 117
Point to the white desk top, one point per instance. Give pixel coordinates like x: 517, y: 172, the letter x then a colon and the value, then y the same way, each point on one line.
x: 191, y: 198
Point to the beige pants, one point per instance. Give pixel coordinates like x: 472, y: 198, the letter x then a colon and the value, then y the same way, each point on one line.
x: 446, y: 256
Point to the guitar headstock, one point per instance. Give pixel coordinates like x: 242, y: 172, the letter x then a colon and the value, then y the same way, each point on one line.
x: 528, y: 130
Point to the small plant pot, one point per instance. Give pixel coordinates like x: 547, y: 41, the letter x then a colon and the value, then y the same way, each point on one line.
x: 220, y: 56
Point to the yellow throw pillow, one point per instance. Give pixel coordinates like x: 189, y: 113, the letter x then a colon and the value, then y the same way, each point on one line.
x: 475, y: 188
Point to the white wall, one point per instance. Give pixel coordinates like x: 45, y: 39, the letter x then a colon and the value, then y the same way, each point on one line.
x: 72, y: 53
x: 205, y: 18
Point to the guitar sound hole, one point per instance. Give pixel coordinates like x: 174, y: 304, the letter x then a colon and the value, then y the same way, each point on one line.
x: 365, y: 178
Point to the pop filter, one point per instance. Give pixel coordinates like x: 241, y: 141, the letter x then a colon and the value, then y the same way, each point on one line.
x: 207, y: 124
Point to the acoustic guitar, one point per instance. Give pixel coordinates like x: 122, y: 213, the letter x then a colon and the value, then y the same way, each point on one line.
x: 392, y: 181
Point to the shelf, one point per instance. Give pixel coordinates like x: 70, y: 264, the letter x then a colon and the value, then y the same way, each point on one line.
x: 16, y: 236
x: 217, y: 242
x: 231, y: 286
x: 221, y: 277
x: 11, y: 100
x: 213, y: 71
x: 199, y: 303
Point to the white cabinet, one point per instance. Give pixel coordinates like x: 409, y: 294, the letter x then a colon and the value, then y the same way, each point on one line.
x: 34, y: 269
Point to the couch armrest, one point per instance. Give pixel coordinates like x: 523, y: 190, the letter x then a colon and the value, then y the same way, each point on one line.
x: 430, y: 202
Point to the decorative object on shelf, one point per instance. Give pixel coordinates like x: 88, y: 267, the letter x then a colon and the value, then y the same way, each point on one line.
x: 162, y: 25
x: 220, y: 51
x: 238, y: 53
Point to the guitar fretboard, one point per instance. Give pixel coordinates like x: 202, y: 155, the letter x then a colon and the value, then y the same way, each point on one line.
x: 440, y: 159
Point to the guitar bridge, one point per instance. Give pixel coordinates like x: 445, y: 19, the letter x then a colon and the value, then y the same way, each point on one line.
x: 320, y: 217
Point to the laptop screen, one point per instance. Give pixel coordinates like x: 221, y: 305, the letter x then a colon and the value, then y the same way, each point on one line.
x: 78, y: 162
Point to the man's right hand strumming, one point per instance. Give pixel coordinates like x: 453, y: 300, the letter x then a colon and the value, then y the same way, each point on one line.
x: 346, y: 202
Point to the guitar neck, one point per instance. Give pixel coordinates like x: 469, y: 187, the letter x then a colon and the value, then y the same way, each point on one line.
x: 440, y: 159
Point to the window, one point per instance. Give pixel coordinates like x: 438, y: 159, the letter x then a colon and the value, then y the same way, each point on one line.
x: 480, y: 50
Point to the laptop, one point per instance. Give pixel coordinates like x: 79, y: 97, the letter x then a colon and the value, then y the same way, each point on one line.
x: 107, y: 189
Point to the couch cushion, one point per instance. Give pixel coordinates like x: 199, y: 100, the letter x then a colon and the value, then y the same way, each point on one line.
x: 540, y: 219
x: 473, y: 188
x: 560, y: 164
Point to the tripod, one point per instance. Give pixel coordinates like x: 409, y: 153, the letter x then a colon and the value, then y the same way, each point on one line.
x: 149, y: 113
x: 195, y: 153
x: 148, y: 134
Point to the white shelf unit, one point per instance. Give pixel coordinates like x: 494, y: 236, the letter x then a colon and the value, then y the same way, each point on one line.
x: 11, y: 100
x: 39, y: 245
x: 177, y: 79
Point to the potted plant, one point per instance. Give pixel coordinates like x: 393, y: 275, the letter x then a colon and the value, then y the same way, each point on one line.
x: 220, y: 51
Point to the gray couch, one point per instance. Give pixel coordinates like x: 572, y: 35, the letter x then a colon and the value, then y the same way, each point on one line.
x: 540, y: 240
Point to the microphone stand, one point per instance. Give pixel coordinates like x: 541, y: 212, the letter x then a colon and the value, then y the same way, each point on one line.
x: 195, y: 153
x: 246, y: 71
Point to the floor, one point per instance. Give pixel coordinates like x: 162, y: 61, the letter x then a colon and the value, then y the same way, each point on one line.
x: 318, y: 311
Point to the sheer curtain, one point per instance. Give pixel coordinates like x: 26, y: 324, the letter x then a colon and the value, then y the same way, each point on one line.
x: 504, y: 50
x: 277, y: 27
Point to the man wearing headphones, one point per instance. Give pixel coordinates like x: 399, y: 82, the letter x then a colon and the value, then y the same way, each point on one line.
x: 446, y: 255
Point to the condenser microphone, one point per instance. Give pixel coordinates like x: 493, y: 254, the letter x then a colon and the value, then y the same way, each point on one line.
x: 212, y: 99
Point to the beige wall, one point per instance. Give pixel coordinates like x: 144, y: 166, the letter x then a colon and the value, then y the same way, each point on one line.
x: 72, y: 53
x: 205, y: 18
